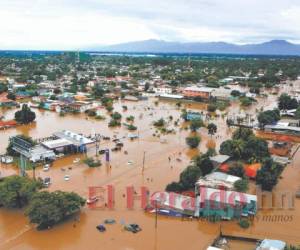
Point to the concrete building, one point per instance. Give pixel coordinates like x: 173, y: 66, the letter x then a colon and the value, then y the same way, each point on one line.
x: 224, y: 204
x: 202, y: 92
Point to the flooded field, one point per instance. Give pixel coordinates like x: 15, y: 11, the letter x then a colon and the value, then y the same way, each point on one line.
x: 127, y: 170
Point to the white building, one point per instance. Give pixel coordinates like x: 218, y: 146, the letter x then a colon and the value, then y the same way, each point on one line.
x: 162, y: 90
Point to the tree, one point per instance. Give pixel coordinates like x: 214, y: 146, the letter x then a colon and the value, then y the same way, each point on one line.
x: 16, y: 191
x: 297, y: 114
x: 241, y: 185
x: 242, y: 133
x: 211, y: 107
x: 25, y: 115
x: 184, y: 115
x: 233, y: 148
x: 268, y: 175
x: 116, y: 116
x: 159, y: 123
x: 47, y: 209
x: 189, y: 176
x: 204, y: 163
x: 193, y: 141
x: 196, y: 124
x: 212, y: 129
x: 174, y: 187
x: 286, y: 102
x: 246, y: 101
x: 268, y: 117
x: 256, y: 149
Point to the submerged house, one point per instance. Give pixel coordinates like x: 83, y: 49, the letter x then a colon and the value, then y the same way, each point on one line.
x: 226, y: 205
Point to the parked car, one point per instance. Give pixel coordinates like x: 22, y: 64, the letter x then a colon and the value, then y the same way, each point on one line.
x: 101, y: 228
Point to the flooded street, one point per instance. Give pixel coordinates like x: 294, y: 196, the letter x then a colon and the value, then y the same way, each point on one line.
x: 127, y: 170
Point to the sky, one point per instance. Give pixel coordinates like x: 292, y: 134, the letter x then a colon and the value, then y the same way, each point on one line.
x: 76, y: 24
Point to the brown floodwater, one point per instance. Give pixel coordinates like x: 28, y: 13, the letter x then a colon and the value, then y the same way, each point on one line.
x: 17, y: 233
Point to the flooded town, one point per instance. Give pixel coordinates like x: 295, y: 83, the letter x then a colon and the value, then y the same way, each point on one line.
x: 149, y: 152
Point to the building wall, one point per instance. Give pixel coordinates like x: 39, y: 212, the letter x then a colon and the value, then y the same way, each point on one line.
x: 189, y: 93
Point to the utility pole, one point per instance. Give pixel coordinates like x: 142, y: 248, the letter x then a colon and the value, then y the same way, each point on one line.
x: 144, y: 162
x: 156, y: 214
x: 97, y: 140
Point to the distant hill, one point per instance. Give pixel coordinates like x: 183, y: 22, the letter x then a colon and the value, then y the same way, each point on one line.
x: 274, y: 47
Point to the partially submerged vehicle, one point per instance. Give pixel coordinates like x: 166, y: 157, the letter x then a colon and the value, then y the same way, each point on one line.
x: 67, y: 177
x: 109, y: 221
x: 134, y: 228
x: 101, y: 228
x: 46, y: 168
x: 47, y: 182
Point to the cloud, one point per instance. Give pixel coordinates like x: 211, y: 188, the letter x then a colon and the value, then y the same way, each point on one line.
x: 71, y: 24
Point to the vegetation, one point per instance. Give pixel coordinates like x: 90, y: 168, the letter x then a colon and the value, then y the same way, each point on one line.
x: 25, y: 115
x: 160, y: 123
x: 267, y: 176
x: 244, y: 145
x: 268, y: 117
x: 211, y: 107
x: 92, y: 163
x: 244, y: 223
x: 241, y: 185
x: 193, y: 141
x: 47, y: 209
x: 16, y: 191
x: 212, y: 129
x: 114, y: 123
x: 285, y: 102
x: 195, y: 125
x: 201, y: 166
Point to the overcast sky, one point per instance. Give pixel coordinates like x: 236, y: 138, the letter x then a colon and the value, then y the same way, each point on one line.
x: 71, y: 24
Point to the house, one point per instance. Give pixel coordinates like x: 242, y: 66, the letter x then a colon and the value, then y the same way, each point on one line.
x: 191, y: 115
x: 217, y: 180
x: 202, y: 92
x: 162, y: 90
x: 5, y: 102
x: 280, y: 129
x: 224, y: 204
x: 177, y: 203
x: 222, y: 94
x: 218, y: 160
x: 8, y: 124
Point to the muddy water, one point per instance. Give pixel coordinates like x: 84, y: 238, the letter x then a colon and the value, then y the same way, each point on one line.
x: 17, y: 233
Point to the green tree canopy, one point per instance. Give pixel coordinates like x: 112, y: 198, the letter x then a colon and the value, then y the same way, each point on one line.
x: 16, y: 191
x: 47, y: 209
x: 25, y: 115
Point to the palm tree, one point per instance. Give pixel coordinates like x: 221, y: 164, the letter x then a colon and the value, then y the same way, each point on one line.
x: 212, y: 129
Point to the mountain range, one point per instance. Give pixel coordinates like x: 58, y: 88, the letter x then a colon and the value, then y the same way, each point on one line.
x: 274, y: 47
